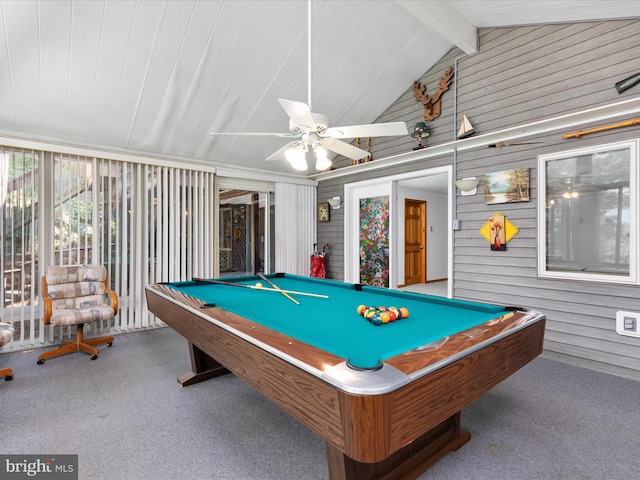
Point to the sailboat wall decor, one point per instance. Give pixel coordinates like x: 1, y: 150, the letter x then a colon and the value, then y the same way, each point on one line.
x: 466, y: 129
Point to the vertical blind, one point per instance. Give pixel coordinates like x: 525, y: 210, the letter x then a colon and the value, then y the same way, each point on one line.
x: 295, y: 227
x: 145, y: 223
x: 19, y: 200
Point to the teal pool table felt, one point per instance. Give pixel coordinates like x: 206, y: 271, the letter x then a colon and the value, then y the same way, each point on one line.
x: 333, y: 324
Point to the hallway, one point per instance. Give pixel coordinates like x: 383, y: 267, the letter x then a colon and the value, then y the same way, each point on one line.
x: 434, y: 288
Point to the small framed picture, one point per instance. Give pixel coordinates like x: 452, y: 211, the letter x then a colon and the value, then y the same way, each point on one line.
x: 323, y: 212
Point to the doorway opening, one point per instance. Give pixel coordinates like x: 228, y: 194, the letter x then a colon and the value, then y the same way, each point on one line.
x: 246, y: 237
x: 434, y: 188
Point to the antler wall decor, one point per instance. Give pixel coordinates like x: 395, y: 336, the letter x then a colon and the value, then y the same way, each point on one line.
x: 431, y: 103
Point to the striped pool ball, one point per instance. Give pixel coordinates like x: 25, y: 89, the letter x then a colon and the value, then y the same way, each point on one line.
x: 361, y: 309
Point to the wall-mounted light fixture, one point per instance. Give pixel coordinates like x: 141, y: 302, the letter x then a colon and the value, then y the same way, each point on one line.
x: 420, y: 131
x: 335, y: 202
x: 467, y: 186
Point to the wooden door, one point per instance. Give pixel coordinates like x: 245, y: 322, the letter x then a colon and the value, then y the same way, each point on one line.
x: 415, y: 252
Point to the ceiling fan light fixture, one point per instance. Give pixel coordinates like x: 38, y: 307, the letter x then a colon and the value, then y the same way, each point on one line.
x: 322, y: 159
x: 296, y: 157
x: 320, y: 150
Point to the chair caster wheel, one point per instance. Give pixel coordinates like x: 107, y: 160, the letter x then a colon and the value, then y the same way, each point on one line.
x: 41, y: 362
x: 109, y: 344
x: 93, y: 357
x: 8, y: 377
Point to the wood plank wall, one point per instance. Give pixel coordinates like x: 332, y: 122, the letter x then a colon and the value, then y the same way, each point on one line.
x: 521, y: 75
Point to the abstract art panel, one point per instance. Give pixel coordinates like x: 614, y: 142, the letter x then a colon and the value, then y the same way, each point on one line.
x: 374, y: 241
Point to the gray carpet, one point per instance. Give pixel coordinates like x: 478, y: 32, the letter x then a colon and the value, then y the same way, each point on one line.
x: 128, y: 419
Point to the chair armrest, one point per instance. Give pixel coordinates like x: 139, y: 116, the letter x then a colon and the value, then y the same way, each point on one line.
x: 113, y: 296
x: 47, y: 306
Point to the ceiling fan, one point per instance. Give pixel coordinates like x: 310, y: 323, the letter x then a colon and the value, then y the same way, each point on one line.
x: 313, y: 131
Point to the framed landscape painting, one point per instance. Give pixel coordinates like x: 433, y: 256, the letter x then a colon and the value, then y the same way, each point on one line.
x: 507, y: 186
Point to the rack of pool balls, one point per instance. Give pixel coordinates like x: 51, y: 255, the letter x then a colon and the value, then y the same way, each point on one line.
x: 382, y: 315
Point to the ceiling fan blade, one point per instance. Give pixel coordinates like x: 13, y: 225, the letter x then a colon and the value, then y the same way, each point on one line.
x: 345, y: 149
x: 371, y: 130
x: 279, y: 154
x: 299, y: 113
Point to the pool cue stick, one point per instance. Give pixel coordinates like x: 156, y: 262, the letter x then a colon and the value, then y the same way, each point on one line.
x: 253, y: 287
x: 278, y: 288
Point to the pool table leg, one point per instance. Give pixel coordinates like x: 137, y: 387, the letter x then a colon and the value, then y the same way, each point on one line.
x: 203, y: 367
x: 409, y: 462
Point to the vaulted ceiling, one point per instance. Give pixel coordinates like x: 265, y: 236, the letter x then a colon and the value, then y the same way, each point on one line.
x: 155, y: 77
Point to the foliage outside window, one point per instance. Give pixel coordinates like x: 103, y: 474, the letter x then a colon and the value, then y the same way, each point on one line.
x: 588, y: 214
x: 145, y: 222
x: 19, y: 177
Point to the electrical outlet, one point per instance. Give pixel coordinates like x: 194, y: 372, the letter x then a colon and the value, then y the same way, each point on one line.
x: 628, y: 323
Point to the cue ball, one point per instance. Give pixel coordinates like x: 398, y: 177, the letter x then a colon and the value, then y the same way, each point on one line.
x: 258, y: 285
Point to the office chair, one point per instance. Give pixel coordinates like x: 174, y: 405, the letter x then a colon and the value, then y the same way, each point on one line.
x: 77, y: 295
x: 6, y: 334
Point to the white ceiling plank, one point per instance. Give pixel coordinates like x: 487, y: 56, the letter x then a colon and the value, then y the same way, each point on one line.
x: 118, y: 21
x: 447, y: 21
x: 498, y: 13
x: 54, y: 23
x: 86, y: 31
x: 186, y: 84
x: 23, y: 53
x: 168, y: 52
x: 208, y: 79
x: 253, y: 78
x: 8, y: 118
x: 147, y: 18
x: 156, y: 77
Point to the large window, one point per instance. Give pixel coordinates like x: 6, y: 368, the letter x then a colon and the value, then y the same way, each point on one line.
x: 146, y: 223
x: 19, y: 182
x: 588, y: 214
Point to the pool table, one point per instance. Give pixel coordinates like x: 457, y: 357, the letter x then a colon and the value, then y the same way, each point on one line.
x: 385, y: 398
